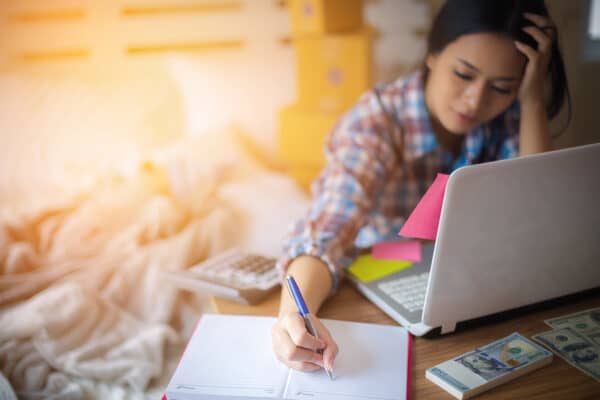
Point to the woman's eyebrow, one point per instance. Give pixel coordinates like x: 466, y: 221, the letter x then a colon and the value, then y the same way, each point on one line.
x: 500, y: 78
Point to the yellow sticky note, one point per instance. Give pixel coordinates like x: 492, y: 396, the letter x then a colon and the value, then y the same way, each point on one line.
x: 367, y: 269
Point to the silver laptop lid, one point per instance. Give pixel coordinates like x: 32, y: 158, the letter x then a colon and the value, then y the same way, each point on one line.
x: 516, y: 232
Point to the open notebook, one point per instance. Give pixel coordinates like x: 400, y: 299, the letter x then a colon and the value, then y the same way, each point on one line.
x: 231, y: 357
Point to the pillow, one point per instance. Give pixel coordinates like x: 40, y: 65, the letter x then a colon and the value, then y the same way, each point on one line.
x: 270, y: 203
x: 219, y: 163
x: 246, y: 87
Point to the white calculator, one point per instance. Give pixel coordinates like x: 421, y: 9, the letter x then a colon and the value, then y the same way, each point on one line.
x: 235, y: 275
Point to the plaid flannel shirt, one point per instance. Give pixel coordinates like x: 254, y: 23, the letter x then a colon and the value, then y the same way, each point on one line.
x: 379, y: 164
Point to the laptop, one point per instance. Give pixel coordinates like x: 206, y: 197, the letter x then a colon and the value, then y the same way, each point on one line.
x: 512, y: 233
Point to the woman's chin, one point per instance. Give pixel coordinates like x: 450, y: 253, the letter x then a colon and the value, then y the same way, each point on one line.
x: 458, y: 129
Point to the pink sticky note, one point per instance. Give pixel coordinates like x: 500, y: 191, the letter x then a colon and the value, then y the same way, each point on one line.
x: 406, y: 250
x: 424, y: 220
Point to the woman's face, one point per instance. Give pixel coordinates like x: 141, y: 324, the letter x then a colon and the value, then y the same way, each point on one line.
x: 474, y: 79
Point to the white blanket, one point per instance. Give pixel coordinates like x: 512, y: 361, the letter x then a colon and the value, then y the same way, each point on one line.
x: 84, y: 309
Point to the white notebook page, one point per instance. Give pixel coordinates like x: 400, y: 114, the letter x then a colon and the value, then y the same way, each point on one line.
x: 371, y: 365
x: 232, y: 357
x: 229, y: 356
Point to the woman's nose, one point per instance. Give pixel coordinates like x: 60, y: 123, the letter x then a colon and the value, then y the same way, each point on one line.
x: 474, y: 96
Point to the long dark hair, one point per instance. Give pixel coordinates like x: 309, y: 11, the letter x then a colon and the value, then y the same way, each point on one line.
x: 462, y: 17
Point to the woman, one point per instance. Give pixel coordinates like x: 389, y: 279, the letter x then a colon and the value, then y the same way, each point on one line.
x: 479, y: 97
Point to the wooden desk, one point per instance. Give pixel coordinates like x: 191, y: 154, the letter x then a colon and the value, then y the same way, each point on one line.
x: 559, y: 380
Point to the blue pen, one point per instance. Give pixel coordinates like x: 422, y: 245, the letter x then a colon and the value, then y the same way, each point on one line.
x: 297, y: 296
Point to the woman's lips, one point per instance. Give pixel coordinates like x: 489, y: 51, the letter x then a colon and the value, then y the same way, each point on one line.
x: 465, y: 118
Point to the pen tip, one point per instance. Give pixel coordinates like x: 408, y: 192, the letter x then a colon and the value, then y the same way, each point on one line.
x: 330, y: 373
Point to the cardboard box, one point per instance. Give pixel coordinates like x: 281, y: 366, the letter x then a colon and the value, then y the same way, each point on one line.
x: 302, y: 135
x: 333, y: 71
x: 325, y: 16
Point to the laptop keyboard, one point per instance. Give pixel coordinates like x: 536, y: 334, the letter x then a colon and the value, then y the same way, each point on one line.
x: 409, y: 291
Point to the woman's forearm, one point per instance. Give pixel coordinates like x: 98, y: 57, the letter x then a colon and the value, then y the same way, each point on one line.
x: 314, y: 280
x: 534, y: 130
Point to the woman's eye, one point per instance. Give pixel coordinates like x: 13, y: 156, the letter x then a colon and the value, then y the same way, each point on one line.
x: 462, y: 76
x: 501, y: 90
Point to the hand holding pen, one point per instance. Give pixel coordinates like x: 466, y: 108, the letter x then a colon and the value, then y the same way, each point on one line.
x: 294, y: 340
x: 303, y: 310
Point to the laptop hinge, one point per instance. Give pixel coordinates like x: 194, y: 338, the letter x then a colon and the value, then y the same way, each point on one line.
x: 448, y: 327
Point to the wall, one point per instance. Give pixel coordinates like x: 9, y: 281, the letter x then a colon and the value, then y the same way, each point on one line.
x: 249, y: 87
x: 583, y: 75
x: 231, y: 60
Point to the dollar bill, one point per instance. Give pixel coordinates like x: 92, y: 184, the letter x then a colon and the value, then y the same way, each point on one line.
x: 586, y: 323
x: 574, y: 348
x: 471, y: 372
x: 502, y: 356
x: 594, y: 337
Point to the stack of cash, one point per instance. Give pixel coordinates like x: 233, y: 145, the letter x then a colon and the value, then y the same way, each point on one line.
x: 489, y: 366
x: 576, y: 339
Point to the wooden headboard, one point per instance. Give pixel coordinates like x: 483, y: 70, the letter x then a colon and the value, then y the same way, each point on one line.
x: 79, y: 32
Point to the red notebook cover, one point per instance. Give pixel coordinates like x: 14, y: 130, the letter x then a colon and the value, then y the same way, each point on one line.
x: 408, y: 367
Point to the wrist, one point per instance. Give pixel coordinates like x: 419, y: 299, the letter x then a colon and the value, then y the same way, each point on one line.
x: 314, y: 280
x: 532, y: 103
x: 287, y: 306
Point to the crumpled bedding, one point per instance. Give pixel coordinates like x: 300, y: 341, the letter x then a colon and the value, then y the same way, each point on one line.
x: 84, y: 309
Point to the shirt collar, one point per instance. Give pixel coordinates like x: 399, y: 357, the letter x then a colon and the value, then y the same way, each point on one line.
x: 419, y: 137
x: 474, y: 143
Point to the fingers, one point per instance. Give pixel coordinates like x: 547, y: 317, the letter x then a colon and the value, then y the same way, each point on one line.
x: 528, y: 51
x: 294, y: 356
x: 544, y: 41
x: 544, y: 31
x: 539, y: 20
x: 296, y: 328
x: 304, y: 366
x: 331, y: 348
x: 329, y: 355
x: 294, y: 346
